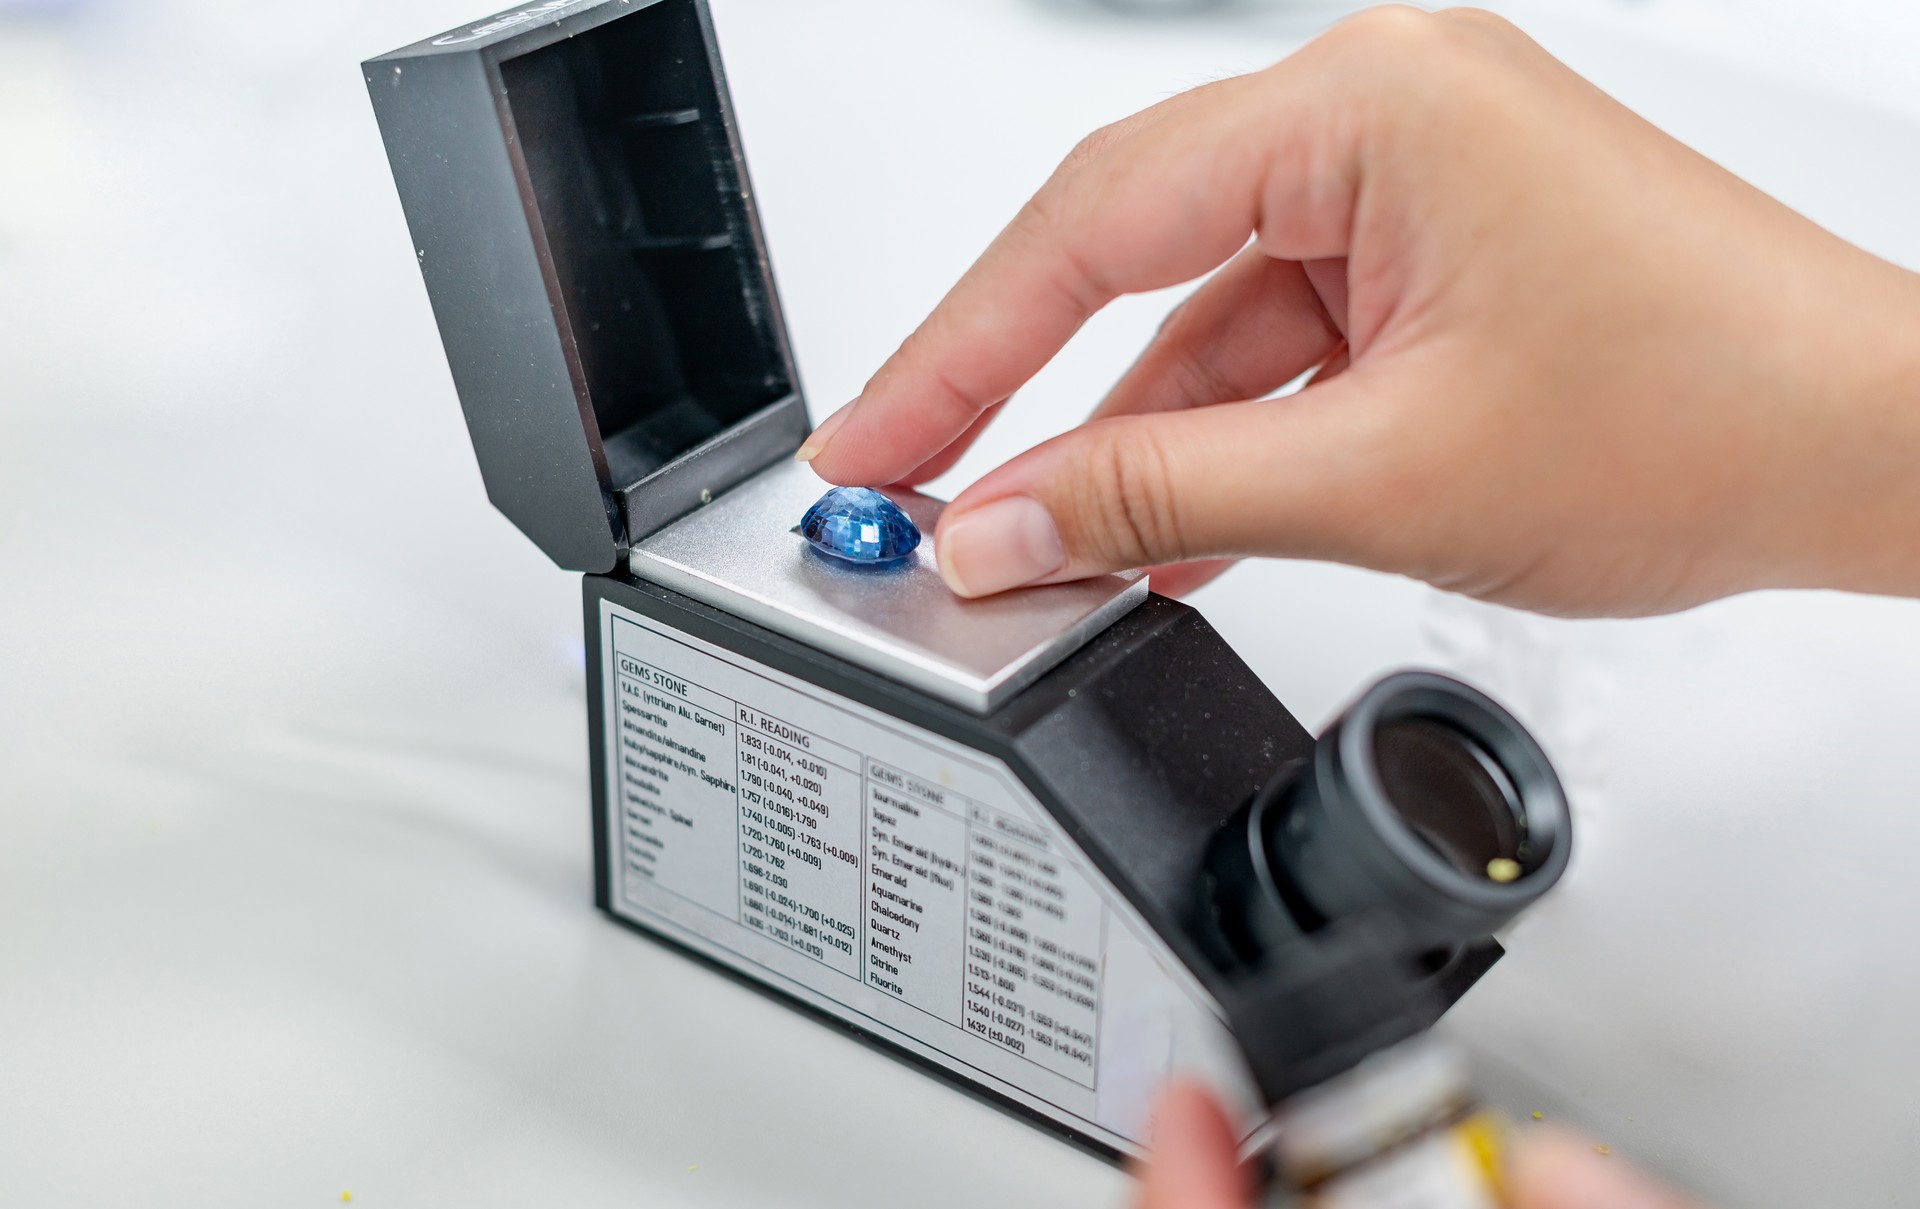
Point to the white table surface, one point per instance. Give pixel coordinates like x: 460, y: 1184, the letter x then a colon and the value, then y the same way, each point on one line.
x: 294, y: 870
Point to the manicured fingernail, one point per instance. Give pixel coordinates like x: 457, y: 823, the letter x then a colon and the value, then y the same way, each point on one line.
x: 1004, y: 544
x: 817, y: 440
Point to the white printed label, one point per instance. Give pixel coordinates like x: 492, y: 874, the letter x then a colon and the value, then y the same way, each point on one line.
x: 905, y: 883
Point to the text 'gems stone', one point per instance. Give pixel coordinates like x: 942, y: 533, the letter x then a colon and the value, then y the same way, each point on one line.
x: 860, y: 525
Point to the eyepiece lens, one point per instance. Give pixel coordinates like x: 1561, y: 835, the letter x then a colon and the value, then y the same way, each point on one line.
x: 1453, y: 796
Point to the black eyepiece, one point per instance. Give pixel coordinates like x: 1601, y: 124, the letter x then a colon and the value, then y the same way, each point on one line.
x: 1426, y: 806
x: 1453, y: 795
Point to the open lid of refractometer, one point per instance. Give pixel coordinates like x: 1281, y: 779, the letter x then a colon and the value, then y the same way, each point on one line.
x: 581, y: 212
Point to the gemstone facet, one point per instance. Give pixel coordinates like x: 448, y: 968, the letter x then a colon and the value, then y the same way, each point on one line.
x: 859, y: 525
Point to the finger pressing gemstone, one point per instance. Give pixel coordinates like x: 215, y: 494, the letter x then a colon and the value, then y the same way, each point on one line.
x: 860, y: 525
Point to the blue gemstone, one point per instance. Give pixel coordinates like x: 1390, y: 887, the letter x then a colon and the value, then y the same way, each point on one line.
x: 860, y: 525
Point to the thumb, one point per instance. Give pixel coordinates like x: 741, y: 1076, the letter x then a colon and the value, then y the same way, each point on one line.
x: 1266, y: 477
x: 1556, y: 1170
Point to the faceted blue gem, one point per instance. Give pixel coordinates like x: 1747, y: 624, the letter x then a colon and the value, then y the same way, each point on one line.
x: 859, y: 525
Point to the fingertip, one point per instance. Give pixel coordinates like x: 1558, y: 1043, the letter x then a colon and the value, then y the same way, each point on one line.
x: 1541, y: 1154
x: 1004, y: 543
x: 816, y: 442
x: 1188, y: 1112
x: 1195, y: 1158
x: 944, y: 460
x: 1553, y: 1168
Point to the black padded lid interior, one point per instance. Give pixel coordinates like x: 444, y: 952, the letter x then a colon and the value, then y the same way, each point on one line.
x: 581, y: 212
x: 635, y: 187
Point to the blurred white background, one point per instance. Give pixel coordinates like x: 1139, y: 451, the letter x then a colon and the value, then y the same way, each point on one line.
x: 294, y: 872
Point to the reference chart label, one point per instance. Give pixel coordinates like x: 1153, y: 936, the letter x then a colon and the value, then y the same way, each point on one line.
x: 907, y: 874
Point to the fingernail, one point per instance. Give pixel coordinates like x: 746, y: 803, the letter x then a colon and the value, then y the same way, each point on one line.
x: 1000, y: 545
x: 817, y: 440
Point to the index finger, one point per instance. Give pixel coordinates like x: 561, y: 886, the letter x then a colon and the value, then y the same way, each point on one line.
x: 1150, y: 202
x: 1195, y: 1162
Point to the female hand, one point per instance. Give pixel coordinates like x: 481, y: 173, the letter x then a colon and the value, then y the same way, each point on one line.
x: 1196, y: 1165
x: 1566, y: 363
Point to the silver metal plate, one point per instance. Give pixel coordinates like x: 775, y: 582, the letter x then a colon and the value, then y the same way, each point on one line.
x: 741, y: 553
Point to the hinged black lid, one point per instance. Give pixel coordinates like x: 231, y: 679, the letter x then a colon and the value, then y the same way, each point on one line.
x: 580, y: 209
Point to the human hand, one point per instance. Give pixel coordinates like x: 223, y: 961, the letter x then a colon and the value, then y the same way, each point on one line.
x: 1195, y: 1165
x: 1567, y: 363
